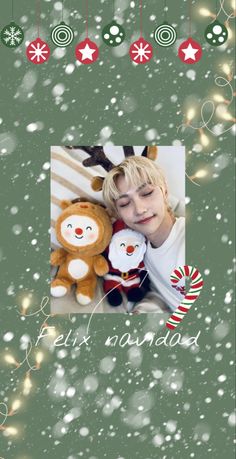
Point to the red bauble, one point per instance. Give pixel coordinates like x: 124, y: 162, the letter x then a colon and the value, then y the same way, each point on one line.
x: 86, y: 52
x: 38, y: 51
x: 141, y: 51
x: 190, y: 51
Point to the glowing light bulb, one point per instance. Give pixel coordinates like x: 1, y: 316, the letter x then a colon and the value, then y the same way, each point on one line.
x: 230, y: 32
x: 218, y: 98
x: 25, y: 304
x: 227, y: 70
x: 201, y: 173
x: 10, y: 359
x: 10, y: 431
x: 227, y: 116
x: 27, y: 385
x: 204, y: 139
x: 205, y: 12
x: 16, y: 405
x: 190, y: 114
x: 39, y: 358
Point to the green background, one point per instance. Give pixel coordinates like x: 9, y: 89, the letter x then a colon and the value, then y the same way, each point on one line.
x: 126, y: 418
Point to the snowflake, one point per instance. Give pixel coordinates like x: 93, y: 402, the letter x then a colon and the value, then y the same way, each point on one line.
x: 38, y: 51
x: 12, y: 36
x: 141, y: 51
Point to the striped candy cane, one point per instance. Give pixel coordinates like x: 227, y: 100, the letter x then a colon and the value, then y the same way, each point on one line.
x: 193, y: 294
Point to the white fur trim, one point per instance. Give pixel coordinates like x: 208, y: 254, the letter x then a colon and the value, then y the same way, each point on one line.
x: 125, y: 283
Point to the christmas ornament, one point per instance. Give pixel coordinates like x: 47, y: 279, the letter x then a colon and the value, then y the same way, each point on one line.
x: 193, y: 294
x: 216, y: 33
x: 113, y: 34
x: 190, y: 51
x: 165, y: 34
x: 141, y: 51
x: 86, y: 52
x: 62, y: 35
x: 38, y: 51
x: 12, y: 35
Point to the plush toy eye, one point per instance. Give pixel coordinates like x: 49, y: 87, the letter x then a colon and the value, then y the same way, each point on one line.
x: 137, y: 245
x: 122, y: 244
x: 69, y: 225
x: 89, y: 227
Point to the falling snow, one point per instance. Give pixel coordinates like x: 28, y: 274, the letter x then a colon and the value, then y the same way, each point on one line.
x: 136, y: 402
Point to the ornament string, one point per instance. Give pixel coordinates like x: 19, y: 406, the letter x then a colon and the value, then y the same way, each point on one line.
x: 165, y: 10
x: 4, y: 414
x: 26, y: 359
x: 86, y: 18
x: 190, y: 16
x: 12, y: 9
x: 62, y: 10
x: 141, y: 17
x: 229, y: 16
x: 209, y: 107
x: 38, y: 16
x: 208, y: 110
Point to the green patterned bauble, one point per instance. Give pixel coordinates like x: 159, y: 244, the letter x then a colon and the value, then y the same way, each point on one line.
x: 62, y: 35
x: 216, y: 33
x: 113, y: 34
x: 12, y: 35
x: 165, y: 34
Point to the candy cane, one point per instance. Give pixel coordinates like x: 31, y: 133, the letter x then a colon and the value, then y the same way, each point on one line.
x: 193, y: 294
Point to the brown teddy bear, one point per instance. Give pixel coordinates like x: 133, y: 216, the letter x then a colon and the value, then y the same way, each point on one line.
x: 84, y: 230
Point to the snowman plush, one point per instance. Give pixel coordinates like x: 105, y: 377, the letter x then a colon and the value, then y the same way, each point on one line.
x: 127, y: 272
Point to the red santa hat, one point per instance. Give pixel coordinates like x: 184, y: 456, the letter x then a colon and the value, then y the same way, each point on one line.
x: 118, y: 226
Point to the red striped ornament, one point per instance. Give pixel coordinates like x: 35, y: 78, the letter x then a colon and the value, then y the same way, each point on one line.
x: 192, y: 295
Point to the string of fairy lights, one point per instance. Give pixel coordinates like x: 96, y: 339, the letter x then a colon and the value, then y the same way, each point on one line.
x: 113, y: 35
x: 9, y: 410
x: 217, y: 107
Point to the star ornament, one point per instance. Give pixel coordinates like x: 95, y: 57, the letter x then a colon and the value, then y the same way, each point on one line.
x: 86, y: 52
x: 190, y: 51
x: 140, y: 51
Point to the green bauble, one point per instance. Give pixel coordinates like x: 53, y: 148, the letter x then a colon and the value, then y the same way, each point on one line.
x: 62, y: 35
x: 216, y: 33
x: 12, y: 35
x: 165, y: 34
x: 113, y: 34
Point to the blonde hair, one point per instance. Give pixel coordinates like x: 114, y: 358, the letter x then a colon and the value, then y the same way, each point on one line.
x: 136, y: 170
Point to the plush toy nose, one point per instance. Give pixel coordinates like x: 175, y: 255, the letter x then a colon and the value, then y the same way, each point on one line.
x: 130, y: 249
x: 79, y: 231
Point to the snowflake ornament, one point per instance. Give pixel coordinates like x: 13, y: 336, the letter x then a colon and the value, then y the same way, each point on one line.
x: 141, y: 51
x: 38, y: 51
x: 12, y: 35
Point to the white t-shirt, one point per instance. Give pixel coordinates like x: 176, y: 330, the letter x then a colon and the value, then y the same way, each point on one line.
x: 161, y: 261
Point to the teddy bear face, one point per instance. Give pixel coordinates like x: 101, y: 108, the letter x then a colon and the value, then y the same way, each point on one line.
x: 79, y: 230
x: 84, y: 228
